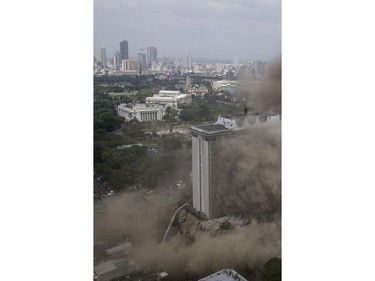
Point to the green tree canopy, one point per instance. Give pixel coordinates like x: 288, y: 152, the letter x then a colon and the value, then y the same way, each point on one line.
x: 272, y: 270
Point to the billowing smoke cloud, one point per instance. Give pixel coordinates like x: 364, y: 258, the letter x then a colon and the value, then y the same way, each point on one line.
x: 247, y: 175
x: 264, y: 95
x: 248, y: 247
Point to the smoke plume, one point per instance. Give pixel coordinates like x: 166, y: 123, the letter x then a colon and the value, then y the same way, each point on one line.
x: 264, y: 95
x: 247, y: 177
x: 249, y: 247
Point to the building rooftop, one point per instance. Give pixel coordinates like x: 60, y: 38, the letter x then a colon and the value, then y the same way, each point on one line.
x: 227, y: 123
x: 224, y: 275
x: 169, y: 92
x: 210, y: 129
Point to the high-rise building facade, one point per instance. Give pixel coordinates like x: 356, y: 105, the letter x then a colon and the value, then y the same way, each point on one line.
x: 124, y: 50
x: 259, y: 68
x: 117, y: 60
x: 130, y: 66
x: 187, y: 62
x: 142, y: 63
x: 152, y: 55
x: 101, y: 57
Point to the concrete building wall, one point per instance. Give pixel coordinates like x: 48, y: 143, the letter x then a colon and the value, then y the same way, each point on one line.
x: 201, y: 163
x: 196, y: 172
x: 205, y: 177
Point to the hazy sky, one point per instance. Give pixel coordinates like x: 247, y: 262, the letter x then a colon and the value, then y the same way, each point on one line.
x: 217, y: 29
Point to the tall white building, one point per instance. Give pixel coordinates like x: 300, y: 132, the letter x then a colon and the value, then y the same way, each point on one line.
x: 142, y: 62
x: 187, y: 62
x: 117, y: 60
x: 101, y: 56
x: 205, y: 140
x: 152, y: 55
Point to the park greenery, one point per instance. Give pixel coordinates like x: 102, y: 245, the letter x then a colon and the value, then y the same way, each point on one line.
x: 272, y: 270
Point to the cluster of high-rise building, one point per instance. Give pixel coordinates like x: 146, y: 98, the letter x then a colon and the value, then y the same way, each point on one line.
x: 121, y: 62
x: 146, y: 61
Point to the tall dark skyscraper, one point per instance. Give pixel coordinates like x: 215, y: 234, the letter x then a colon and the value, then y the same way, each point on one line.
x: 124, y: 51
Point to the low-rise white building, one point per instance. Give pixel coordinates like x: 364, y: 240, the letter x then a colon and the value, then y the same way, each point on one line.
x: 141, y: 111
x: 170, y: 97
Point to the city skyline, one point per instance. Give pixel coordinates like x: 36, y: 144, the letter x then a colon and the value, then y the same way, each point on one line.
x: 202, y: 29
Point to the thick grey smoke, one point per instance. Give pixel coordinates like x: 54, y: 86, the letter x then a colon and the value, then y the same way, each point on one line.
x: 264, y: 95
x: 247, y: 177
x: 248, y: 185
x: 249, y: 247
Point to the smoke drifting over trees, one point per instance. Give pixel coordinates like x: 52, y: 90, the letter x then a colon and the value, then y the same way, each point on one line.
x: 247, y: 183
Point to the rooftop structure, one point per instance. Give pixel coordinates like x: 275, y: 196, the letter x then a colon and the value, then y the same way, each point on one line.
x: 224, y: 275
x: 204, y: 144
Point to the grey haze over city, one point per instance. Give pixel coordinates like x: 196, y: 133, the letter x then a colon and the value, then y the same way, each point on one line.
x: 214, y: 29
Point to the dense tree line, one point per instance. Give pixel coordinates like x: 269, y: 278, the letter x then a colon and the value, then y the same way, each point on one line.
x: 204, y: 112
x: 105, y: 117
x: 137, y: 82
x: 271, y: 270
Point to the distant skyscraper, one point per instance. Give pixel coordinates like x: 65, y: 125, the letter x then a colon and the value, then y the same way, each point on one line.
x: 152, y: 55
x: 167, y: 60
x: 101, y: 57
x: 259, y: 68
x: 236, y: 60
x: 187, y: 62
x: 142, y: 61
x: 124, y: 50
x: 117, y: 58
